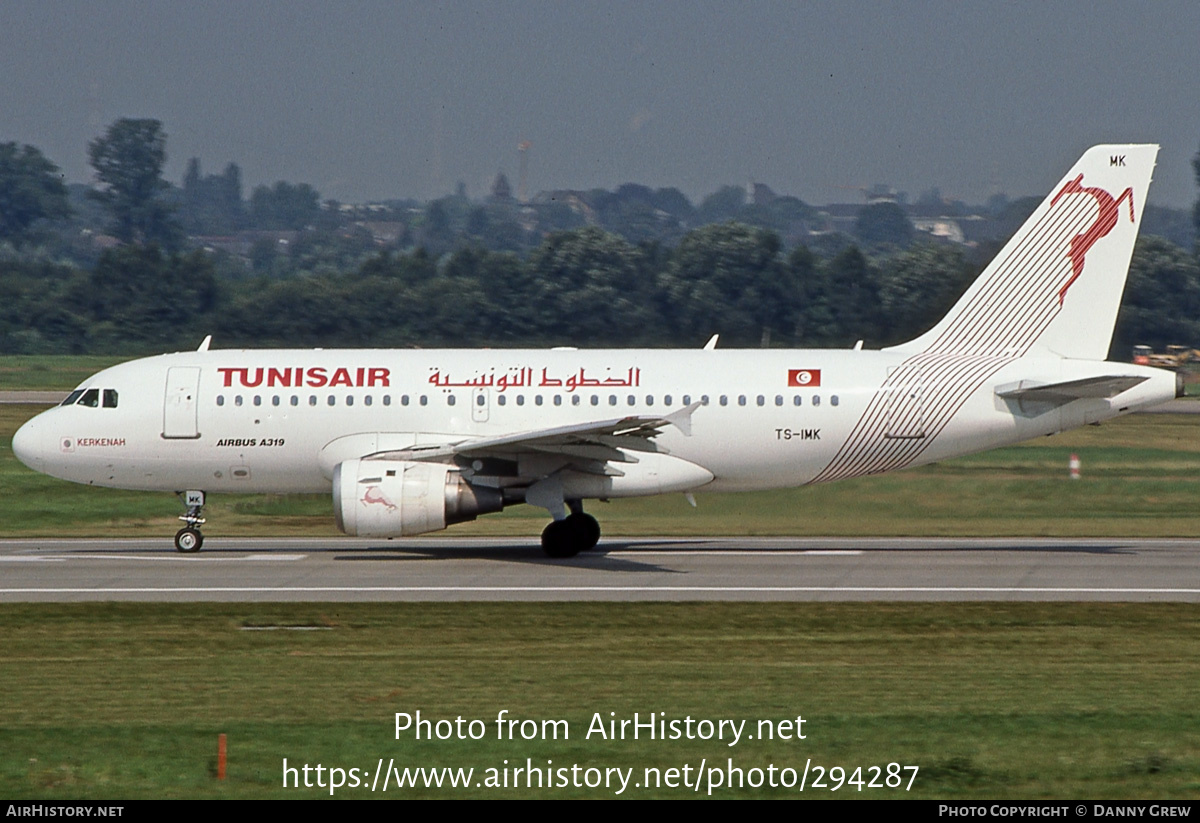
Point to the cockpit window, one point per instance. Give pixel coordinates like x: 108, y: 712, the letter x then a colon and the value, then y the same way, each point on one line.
x: 110, y: 398
x: 71, y: 398
x: 91, y: 398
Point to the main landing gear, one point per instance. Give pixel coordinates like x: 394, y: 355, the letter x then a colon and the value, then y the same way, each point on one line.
x: 575, y: 533
x: 189, y: 539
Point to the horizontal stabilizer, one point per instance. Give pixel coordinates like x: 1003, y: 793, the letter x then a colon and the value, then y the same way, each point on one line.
x: 1062, y: 393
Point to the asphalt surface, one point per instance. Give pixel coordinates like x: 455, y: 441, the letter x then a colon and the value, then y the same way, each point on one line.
x: 747, y: 569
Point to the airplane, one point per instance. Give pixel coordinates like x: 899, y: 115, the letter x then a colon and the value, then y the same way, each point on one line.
x: 413, y: 441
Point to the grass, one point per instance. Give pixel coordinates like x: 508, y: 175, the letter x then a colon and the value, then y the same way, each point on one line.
x: 51, y: 372
x: 988, y: 700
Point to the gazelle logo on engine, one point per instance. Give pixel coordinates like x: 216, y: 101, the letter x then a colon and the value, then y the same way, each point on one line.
x: 374, y: 494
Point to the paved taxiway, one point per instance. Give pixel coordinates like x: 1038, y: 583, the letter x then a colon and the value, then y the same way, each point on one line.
x: 447, y: 568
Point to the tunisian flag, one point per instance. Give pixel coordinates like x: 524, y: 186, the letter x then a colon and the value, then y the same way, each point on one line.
x: 804, y: 377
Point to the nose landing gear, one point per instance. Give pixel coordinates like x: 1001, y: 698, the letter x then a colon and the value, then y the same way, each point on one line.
x: 189, y: 539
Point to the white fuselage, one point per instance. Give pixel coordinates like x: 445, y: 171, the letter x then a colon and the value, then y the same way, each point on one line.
x: 281, y: 420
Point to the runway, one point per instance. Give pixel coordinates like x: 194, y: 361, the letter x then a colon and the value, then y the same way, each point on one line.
x: 621, y: 569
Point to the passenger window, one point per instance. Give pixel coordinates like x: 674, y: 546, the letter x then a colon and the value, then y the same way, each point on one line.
x: 312, y: 400
x: 558, y: 399
x: 779, y: 400
x: 649, y: 400
x: 575, y: 400
x: 667, y: 400
x: 833, y: 400
x: 480, y: 400
x: 237, y: 400
x: 537, y: 400
x: 595, y: 400
x: 687, y: 400
x: 449, y: 400
x: 387, y: 400
x: 816, y: 399
x: 295, y: 400
x: 275, y: 400
x: 704, y: 400
x: 612, y: 400
x: 424, y: 400
x: 796, y: 400
x: 501, y: 400
x: 257, y: 400
x: 72, y: 397
x: 724, y: 400
x: 632, y: 400
x: 404, y: 400
x: 220, y: 400
x: 741, y: 399
x: 520, y: 400
x: 331, y: 400
x: 760, y: 400
x: 91, y: 398
x: 349, y: 400
x: 110, y: 398
x: 367, y: 400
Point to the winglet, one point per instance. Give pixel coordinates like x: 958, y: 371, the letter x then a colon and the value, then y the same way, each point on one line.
x: 204, y: 343
x: 712, y: 343
x: 682, y: 419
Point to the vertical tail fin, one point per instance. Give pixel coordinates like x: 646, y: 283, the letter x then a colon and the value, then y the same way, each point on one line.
x: 1056, y: 285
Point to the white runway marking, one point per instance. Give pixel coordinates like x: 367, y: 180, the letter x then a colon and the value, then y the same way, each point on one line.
x: 170, y: 558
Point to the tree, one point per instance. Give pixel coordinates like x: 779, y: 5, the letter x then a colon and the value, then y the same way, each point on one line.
x: 284, y: 206
x: 840, y: 298
x: 723, y: 204
x: 884, y: 224
x: 1162, y: 299
x: 1196, y: 210
x: 727, y: 278
x: 918, y: 286
x: 212, y: 204
x: 128, y: 161
x: 587, y: 288
x: 31, y: 189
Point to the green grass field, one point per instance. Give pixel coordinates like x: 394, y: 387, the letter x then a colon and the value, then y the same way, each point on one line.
x: 988, y: 700
x: 51, y: 372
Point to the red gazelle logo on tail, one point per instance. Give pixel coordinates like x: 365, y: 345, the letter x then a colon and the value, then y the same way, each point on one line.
x: 1105, y: 221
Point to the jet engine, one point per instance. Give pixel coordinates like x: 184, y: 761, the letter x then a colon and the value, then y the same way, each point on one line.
x: 392, y: 498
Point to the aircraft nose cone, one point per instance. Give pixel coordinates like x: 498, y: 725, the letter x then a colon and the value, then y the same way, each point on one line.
x: 27, y: 445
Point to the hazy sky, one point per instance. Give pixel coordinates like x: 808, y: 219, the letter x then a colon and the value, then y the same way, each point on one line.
x: 369, y: 100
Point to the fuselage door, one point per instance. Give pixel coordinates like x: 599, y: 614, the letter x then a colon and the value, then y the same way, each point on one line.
x: 179, y: 404
x: 479, y: 405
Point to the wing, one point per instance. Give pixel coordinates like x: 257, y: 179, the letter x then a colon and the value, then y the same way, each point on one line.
x: 589, y: 447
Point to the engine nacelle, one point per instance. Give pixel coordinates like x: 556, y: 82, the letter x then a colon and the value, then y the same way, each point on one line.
x: 392, y: 498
